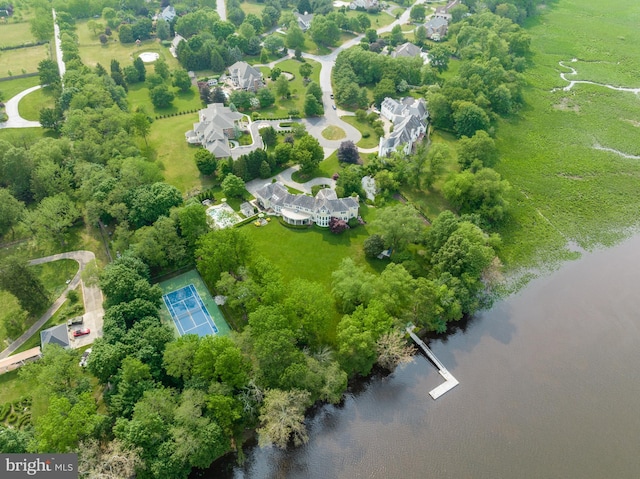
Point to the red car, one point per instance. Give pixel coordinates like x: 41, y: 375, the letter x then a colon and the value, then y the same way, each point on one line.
x: 81, y: 332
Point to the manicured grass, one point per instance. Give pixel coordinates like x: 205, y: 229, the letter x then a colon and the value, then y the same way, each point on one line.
x: 363, y: 127
x: 312, y: 253
x: 11, y: 88
x: 138, y: 96
x: 333, y: 133
x: 168, y: 146
x: 30, y: 106
x: 378, y: 20
x: 563, y: 189
x: 15, y: 34
x: 13, y: 62
x: 296, y: 87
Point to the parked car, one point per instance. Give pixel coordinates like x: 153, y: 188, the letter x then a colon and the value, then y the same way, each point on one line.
x: 75, y: 321
x: 85, y: 358
x: 331, y: 96
x: 81, y: 332
x: 334, y: 107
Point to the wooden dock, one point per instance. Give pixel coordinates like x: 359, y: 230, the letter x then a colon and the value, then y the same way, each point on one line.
x: 450, y: 381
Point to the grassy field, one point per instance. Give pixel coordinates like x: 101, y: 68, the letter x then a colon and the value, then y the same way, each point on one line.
x: 565, y: 191
x: 363, y: 127
x: 11, y: 88
x: 93, y: 52
x: 22, y: 60
x: 15, y: 34
x: 168, y: 146
x: 313, y: 253
x: 30, y: 106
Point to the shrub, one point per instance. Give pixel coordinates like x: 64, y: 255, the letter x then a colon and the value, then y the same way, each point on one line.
x: 24, y: 420
x: 12, y: 418
x: 73, y: 296
x: 366, y: 134
x: 4, y: 411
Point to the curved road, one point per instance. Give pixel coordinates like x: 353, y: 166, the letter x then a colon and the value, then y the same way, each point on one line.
x: 11, y: 107
x: 92, y: 303
x: 285, y: 177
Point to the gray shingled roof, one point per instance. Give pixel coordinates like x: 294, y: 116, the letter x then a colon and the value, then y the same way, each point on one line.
x: 55, y: 335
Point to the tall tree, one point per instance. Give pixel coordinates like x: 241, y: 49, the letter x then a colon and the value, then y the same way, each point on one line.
x: 48, y: 72
x: 222, y: 250
x: 21, y: 281
x: 53, y: 218
x: 282, y: 418
x: 11, y: 211
x: 399, y: 225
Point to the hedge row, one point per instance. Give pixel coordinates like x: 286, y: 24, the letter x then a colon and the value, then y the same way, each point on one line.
x: 293, y: 227
x: 24, y: 45
x: 4, y: 412
x: 188, y: 112
x: 245, y: 221
x: 206, y: 195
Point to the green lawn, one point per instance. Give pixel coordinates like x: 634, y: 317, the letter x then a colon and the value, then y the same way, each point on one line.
x: 378, y: 20
x: 93, y: 52
x: 12, y: 388
x: 333, y: 133
x: 363, y: 127
x: 30, y: 106
x: 11, y: 88
x: 168, y: 146
x: 15, y: 34
x: 55, y: 275
x: 252, y: 7
x: 563, y: 189
x: 312, y: 253
x: 296, y: 87
x: 22, y: 60
x: 138, y: 96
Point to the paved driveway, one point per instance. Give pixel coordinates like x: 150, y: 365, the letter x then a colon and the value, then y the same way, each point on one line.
x: 92, y: 304
x: 11, y: 107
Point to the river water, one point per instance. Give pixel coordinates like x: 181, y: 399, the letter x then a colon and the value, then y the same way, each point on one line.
x: 549, y: 388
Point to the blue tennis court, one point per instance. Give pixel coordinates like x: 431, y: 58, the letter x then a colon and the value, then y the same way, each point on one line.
x: 189, y: 312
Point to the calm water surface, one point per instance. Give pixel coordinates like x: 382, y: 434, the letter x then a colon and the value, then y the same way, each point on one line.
x: 549, y: 388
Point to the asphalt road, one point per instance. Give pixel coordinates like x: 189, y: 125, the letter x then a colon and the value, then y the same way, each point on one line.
x: 92, y: 304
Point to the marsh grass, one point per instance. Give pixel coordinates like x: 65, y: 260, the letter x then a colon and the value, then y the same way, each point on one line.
x: 564, y: 190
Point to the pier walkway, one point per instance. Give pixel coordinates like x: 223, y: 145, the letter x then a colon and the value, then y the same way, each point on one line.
x: 450, y: 381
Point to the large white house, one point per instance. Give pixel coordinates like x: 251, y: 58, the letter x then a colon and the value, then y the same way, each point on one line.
x: 409, y: 117
x: 306, y: 210
x: 216, y: 126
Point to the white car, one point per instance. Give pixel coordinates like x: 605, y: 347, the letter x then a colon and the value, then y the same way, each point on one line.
x: 85, y: 358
